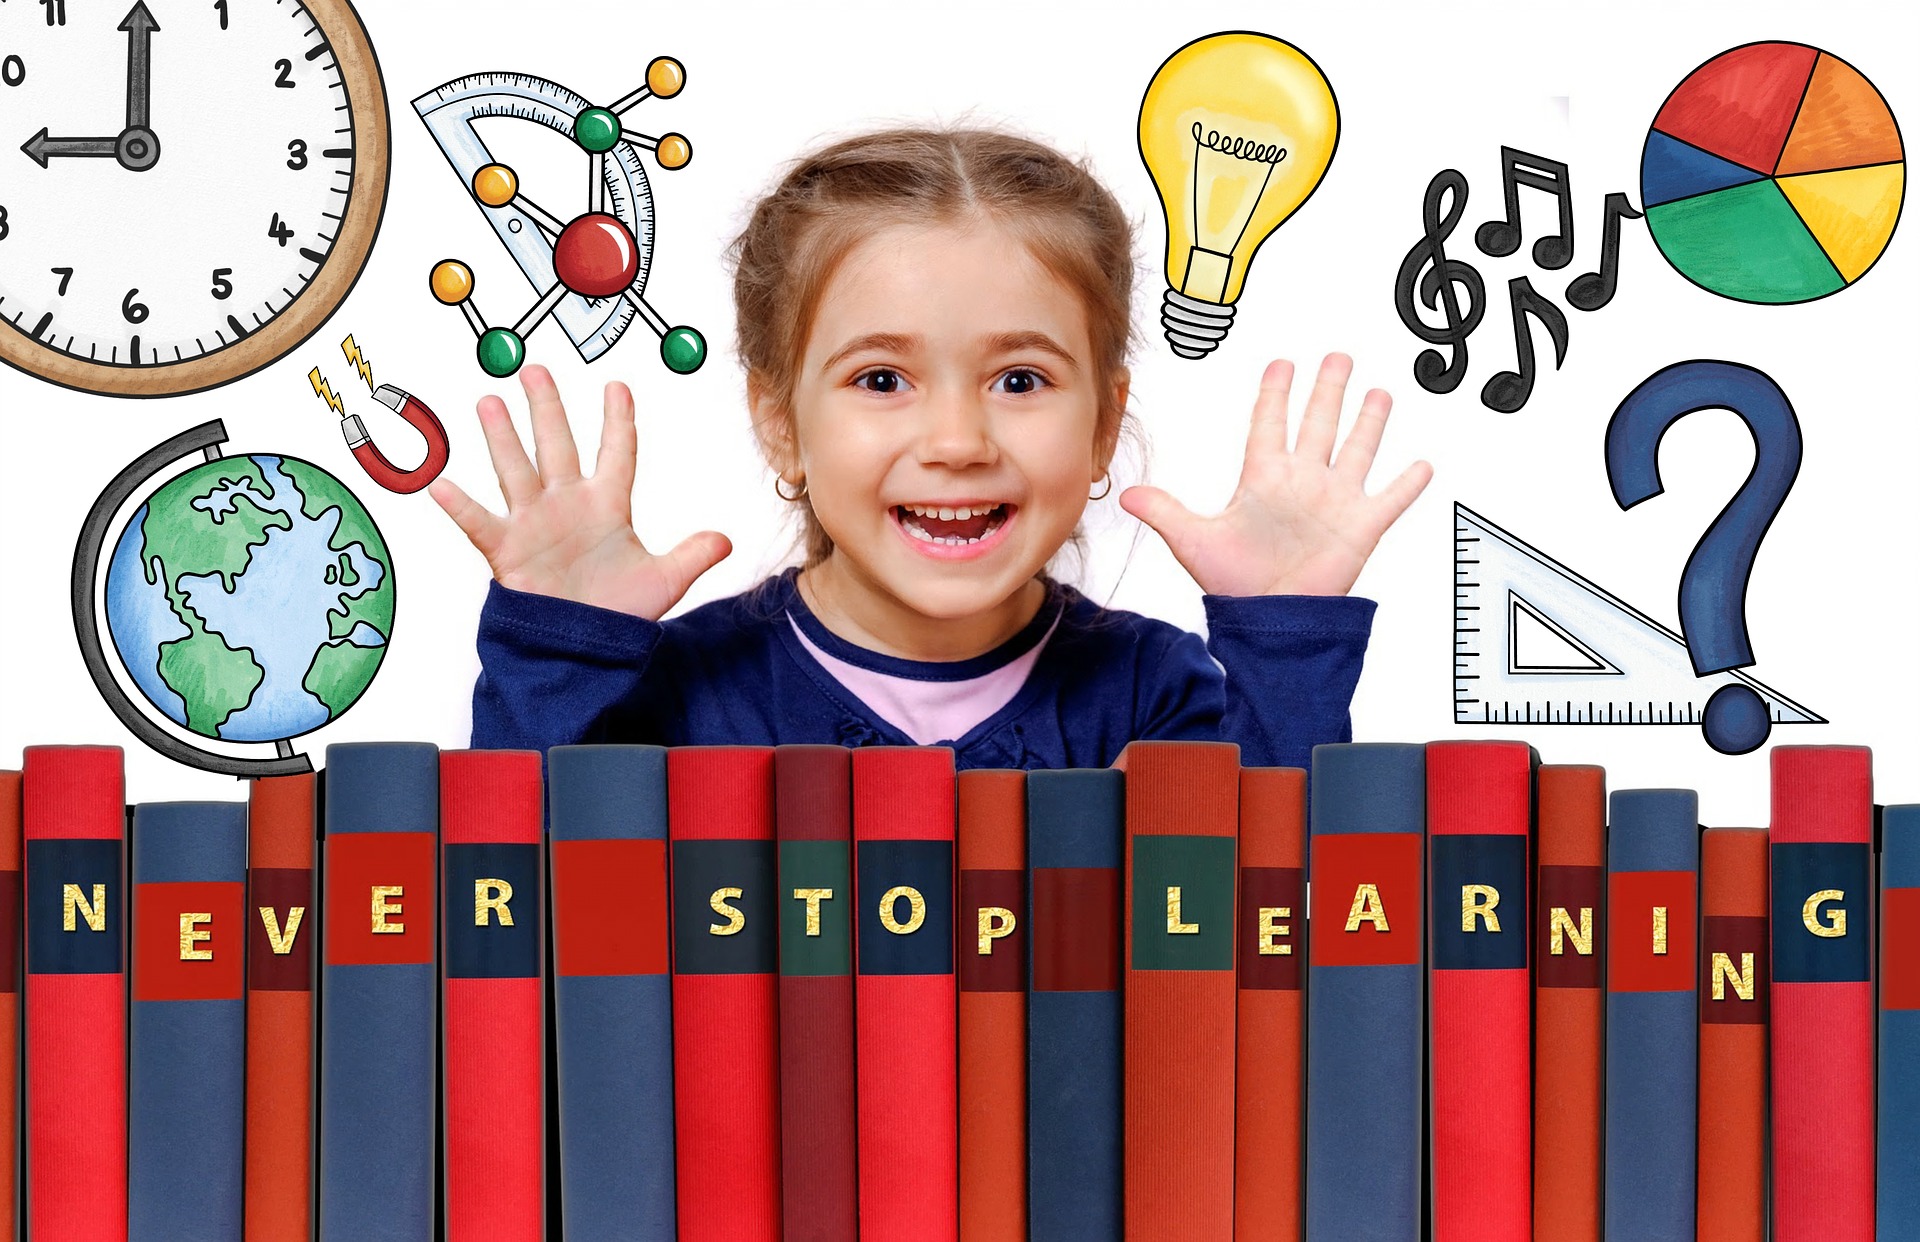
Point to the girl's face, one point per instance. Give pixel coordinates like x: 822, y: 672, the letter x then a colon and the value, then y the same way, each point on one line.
x: 946, y: 417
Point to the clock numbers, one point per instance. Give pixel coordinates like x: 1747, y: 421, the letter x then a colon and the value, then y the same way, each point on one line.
x: 279, y: 232
x: 285, y: 79
x: 66, y: 277
x: 13, y: 71
x: 135, y: 312
x: 222, y: 287
x: 4, y: 229
x: 222, y: 6
x: 56, y: 11
x: 297, y: 154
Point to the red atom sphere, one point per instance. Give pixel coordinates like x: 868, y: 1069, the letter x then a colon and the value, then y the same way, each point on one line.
x: 596, y: 256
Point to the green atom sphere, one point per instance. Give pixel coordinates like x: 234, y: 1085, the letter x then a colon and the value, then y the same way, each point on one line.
x: 501, y: 351
x: 683, y: 350
x: 596, y: 130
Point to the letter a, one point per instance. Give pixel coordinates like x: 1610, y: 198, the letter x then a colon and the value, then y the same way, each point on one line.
x: 1367, y: 908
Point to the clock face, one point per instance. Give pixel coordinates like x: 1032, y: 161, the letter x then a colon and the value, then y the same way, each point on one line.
x: 187, y: 188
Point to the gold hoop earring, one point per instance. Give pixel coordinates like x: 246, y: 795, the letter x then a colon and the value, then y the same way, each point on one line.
x: 1108, y: 480
x: 781, y: 492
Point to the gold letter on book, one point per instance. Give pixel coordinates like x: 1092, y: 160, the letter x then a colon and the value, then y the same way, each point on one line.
x: 916, y: 910
x: 1479, y: 901
x: 1742, y: 981
x: 995, y: 922
x: 190, y: 935
x: 1560, y: 929
x: 282, y: 941
x: 1367, y: 908
x: 95, y: 912
x: 1175, y: 927
x: 1659, y: 931
x: 492, y: 895
x: 735, y: 919
x: 1272, y: 929
x: 813, y: 897
x: 1836, y: 924
x: 382, y: 908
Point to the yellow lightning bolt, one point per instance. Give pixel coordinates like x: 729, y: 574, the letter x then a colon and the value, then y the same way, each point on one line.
x: 325, y: 393
x: 352, y: 352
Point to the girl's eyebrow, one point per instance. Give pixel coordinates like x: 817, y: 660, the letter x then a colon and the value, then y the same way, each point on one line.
x: 1029, y: 340
x: 874, y: 342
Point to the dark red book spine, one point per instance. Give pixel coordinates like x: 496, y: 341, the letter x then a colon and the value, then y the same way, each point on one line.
x: 1480, y: 1055
x: 726, y: 993
x: 74, y: 822
x: 1183, y: 818
x: 1823, y: 1005
x: 281, y: 928
x: 494, y: 993
x: 905, y: 1009
x: 1569, y: 1002
x: 1269, y: 1087
x: 818, y: 1148
x: 1733, y: 1036
x: 9, y: 1004
x: 992, y: 939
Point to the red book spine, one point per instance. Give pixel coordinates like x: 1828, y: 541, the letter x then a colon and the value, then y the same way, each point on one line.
x: 1822, y: 1023
x: 9, y: 1004
x: 74, y: 825
x: 726, y: 993
x: 280, y: 937
x: 992, y: 853
x: 1569, y: 1003
x: 1480, y: 1055
x: 1269, y: 1086
x: 905, y: 1010
x: 1733, y: 1036
x: 1183, y: 816
x: 494, y: 1002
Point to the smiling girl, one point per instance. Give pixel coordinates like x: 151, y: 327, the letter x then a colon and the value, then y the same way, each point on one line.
x: 935, y: 327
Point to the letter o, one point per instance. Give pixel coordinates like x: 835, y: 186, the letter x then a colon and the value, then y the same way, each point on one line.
x: 916, y: 910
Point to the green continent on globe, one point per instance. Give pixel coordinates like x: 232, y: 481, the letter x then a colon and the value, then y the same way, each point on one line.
x: 342, y: 670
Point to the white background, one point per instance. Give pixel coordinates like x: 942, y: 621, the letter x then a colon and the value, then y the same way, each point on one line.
x: 1835, y: 589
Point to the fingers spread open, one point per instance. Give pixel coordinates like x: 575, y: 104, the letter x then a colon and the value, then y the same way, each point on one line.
x: 518, y: 481
x: 552, y: 439
x: 1322, y: 420
x: 482, y: 529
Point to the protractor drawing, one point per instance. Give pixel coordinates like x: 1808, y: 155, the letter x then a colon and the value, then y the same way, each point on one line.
x: 1536, y: 643
x: 1773, y: 174
x: 588, y: 271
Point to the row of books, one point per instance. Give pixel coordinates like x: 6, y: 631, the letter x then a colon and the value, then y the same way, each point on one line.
x: 813, y: 993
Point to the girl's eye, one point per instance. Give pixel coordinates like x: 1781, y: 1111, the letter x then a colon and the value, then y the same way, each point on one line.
x: 881, y: 380
x: 1020, y: 381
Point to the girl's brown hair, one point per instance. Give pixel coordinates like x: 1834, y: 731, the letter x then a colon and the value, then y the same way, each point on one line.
x: 831, y: 199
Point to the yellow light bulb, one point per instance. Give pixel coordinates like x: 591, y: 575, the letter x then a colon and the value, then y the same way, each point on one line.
x: 1237, y: 130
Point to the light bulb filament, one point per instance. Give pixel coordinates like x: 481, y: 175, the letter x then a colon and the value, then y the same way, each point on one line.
x: 1240, y: 148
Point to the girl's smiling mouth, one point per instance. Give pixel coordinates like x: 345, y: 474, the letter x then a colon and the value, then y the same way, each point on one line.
x: 954, y: 531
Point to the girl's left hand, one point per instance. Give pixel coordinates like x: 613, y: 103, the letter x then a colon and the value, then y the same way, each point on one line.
x: 1300, y: 521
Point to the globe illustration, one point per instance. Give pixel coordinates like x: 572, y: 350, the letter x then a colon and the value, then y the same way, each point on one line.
x: 248, y: 598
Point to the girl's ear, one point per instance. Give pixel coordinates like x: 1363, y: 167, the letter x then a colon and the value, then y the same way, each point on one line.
x: 773, y: 428
x: 1112, y: 417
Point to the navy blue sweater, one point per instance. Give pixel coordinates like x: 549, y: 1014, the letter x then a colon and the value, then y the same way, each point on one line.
x: 554, y: 672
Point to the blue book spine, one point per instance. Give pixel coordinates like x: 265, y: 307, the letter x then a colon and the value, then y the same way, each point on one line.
x: 379, y: 992
x: 1653, y: 1032
x: 1365, y: 992
x: 186, y: 1079
x: 613, y: 1000
x: 1897, y: 1212
x: 1076, y: 822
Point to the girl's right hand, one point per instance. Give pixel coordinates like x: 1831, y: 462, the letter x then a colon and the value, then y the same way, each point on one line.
x: 567, y: 535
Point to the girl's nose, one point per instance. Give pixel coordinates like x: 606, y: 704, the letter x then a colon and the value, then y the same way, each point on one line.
x: 957, y: 431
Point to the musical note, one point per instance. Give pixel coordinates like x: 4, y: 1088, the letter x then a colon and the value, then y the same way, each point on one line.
x: 1502, y: 237
x: 1595, y: 289
x: 1509, y: 390
x: 1436, y: 373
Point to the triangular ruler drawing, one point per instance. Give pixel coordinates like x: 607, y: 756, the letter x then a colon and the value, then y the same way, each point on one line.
x: 1536, y: 643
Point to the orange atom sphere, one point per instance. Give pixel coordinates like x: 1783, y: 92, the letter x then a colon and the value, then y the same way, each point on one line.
x: 665, y: 76
x: 495, y: 185
x: 674, y: 151
x: 452, y: 282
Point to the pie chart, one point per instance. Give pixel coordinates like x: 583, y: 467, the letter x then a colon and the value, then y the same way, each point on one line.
x: 1773, y: 174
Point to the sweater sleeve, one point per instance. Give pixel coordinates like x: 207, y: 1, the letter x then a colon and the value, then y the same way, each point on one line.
x: 1284, y: 682
x: 554, y: 672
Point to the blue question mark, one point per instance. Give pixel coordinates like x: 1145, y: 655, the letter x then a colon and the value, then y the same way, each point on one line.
x: 1713, y: 586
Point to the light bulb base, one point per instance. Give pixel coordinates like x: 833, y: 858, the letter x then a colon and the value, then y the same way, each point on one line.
x: 1194, y: 328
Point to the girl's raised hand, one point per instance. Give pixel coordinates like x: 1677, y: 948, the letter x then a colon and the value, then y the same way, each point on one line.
x: 1300, y: 521
x: 565, y: 534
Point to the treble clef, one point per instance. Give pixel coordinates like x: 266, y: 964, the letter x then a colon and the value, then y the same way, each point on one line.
x: 1436, y: 373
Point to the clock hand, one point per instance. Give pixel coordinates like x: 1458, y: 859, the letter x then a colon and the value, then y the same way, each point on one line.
x: 40, y: 147
x: 139, y: 25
